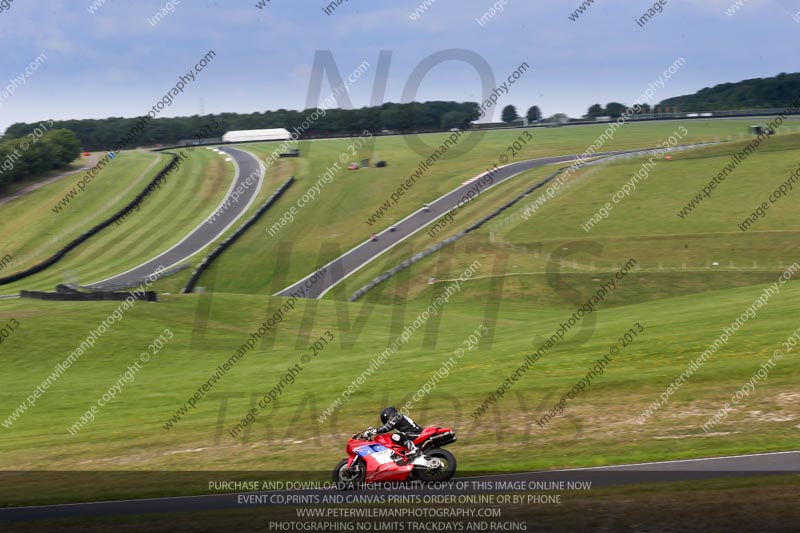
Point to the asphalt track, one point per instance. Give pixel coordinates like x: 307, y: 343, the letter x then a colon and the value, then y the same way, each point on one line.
x: 316, y: 285
x: 207, y: 231
x: 775, y: 463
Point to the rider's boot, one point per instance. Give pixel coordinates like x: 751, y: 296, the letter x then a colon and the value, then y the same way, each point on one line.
x: 413, y: 451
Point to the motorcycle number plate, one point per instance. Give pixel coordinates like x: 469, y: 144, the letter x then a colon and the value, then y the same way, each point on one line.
x: 380, y: 454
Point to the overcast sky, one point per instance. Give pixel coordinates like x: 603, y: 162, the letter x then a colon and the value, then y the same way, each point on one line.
x: 115, y: 63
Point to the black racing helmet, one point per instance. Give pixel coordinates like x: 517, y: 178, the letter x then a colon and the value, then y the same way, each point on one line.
x: 387, y: 414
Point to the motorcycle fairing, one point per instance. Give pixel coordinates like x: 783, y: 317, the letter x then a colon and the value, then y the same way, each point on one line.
x: 378, y: 452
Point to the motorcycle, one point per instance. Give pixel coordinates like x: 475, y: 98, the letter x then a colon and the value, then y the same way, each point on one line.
x: 382, y: 459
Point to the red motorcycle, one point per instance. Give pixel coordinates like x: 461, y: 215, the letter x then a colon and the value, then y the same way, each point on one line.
x: 382, y: 459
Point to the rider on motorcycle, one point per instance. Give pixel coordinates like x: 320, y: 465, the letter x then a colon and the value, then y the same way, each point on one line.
x: 407, y: 430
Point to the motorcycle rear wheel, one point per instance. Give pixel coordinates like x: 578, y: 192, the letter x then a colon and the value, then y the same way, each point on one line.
x: 444, y: 473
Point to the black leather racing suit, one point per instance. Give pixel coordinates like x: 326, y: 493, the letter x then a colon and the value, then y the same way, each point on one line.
x: 407, y: 429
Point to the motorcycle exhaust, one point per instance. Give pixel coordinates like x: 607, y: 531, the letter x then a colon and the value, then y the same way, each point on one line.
x: 436, y: 441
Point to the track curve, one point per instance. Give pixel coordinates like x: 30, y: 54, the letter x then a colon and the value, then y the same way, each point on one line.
x: 316, y: 285
x: 227, y: 213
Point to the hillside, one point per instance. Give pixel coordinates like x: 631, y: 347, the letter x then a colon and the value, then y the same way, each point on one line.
x: 777, y: 91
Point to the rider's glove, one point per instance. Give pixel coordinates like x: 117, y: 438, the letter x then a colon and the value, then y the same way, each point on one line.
x: 370, y: 433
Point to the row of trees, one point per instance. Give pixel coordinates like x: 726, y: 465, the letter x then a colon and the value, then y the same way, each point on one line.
x: 35, y: 153
x: 103, y: 134
x: 775, y: 92
x: 613, y: 110
x: 510, y: 114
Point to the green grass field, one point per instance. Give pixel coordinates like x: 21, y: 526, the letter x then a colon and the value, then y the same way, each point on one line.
x: 320, y: 229
x: 677, y: 254
x: 129, y: 434
x: 533, y: 275
x: 189, y: 195
x: 32, y: 232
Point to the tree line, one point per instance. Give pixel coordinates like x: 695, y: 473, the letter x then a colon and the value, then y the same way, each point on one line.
x: 613, y: 110
x: 39, y: 149
x: 103, y: 134
x: 757, y: 93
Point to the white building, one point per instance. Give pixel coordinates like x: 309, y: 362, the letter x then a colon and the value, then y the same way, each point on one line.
x: 276, y: 134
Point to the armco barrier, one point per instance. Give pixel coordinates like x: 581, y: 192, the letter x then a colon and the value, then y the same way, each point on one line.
x: 402, y: 266
x: 439, y: 245
x: 72, y: 296
x: 224, y: 245
x: 133, y: 283
x: 50, y: 261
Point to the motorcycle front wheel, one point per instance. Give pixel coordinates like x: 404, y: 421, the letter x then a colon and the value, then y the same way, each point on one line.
x: 348, y: 478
